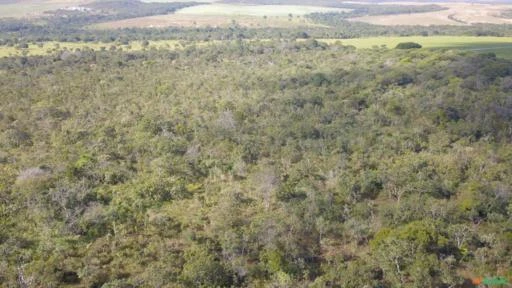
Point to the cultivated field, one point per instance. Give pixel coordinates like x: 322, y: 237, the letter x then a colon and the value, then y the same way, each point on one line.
x: 457, y: 14
x: 221, y: 15
x: 256, y: 10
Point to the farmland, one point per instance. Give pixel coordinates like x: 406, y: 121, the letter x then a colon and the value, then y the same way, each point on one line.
x: 222, y: 15
x: 456, y: 14
x: 256, y: 10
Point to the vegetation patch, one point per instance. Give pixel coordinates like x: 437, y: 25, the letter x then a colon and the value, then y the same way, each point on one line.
x: 408, y: 45
x: 501, y: 46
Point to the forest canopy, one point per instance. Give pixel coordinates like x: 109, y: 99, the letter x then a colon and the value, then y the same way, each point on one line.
x: 255, y: 164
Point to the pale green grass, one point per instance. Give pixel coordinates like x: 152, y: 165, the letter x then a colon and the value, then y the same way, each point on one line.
x: 188, y: 20
x: 427, y: 42
x: 502, y: 46
x: 255, y: 10
x: 48, y: 48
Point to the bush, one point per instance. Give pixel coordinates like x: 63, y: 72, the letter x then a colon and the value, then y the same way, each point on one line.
x: 202, y: 269
x: 15, y: 138
x: 408, y: 45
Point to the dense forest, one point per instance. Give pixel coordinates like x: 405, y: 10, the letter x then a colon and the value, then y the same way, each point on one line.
x: 15, y: 32
x: 255, y: 164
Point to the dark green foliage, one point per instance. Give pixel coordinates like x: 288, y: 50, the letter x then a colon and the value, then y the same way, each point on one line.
x: 201, y: 269
x: 408, y: 45
x: 342, y: 28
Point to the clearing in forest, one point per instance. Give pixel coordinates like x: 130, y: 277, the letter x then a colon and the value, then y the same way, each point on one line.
x: 502, y: 46
x: 256, y: 10
x: 184, y: 20
x: 222, y: 15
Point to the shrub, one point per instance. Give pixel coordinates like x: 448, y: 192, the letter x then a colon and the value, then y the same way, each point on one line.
x: 408, y: 45
x: 14, y: 138
x: 202, y: 269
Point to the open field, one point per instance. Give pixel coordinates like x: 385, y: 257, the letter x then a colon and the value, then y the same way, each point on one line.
x: 256, y: 10
x: 222, y: 15
x: 502, y: 46
x: 457, y: 14
x: 32, y: 8
x: 51, y: 47
x: 183, y: 20
x: 180, y: 20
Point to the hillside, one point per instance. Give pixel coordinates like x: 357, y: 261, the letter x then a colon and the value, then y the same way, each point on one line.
x: 255, y: 164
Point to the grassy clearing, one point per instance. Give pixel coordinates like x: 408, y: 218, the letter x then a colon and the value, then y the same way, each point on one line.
x: 48, y: 48
x: 185, y: 20
x: 223, y: 15
x: 502, y: 46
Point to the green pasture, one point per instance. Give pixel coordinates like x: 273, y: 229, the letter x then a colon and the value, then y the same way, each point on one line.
x: 502, y: 46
